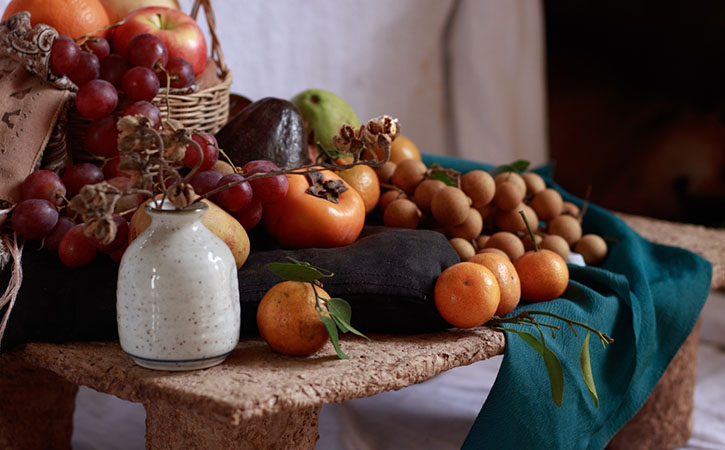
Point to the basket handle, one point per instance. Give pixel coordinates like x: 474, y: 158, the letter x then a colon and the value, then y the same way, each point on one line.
x: 216, y: 49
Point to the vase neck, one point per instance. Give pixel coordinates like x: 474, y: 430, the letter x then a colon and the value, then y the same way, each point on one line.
x: 167, y: 213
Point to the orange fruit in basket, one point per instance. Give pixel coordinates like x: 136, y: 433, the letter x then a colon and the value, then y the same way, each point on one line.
x: 365, y: 181
x: 401, y: 149
x: 506, y: 276
x: 288, y: 321
x: 467, y: 295
x: 74, y: 18
x: 544, y: 275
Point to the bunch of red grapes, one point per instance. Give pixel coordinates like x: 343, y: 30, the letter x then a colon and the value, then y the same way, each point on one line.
x: 100, y: 77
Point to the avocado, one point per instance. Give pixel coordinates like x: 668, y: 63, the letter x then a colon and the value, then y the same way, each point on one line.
x: 271, y: 129
x: 324, y: 113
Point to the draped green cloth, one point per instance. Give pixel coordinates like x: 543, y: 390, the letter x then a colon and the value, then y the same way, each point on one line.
x: 646, y: 296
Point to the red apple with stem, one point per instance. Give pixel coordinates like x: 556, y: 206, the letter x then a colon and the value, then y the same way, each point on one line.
x: 178, y: 31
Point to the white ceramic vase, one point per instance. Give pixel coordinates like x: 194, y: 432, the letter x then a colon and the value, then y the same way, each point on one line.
x: 177, y: 300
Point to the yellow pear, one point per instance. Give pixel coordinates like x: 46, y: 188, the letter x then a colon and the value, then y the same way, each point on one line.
x: 218, y: 221
x: 119, y: 9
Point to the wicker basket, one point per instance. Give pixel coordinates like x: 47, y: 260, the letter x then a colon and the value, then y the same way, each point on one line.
x: 207, y: 109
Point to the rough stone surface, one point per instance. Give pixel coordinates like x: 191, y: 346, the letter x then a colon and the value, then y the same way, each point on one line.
x: 665, y: 420
x: 37, y: 411
x: 706, y: 242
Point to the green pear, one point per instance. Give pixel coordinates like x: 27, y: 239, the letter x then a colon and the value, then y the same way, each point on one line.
x: 324, y: 113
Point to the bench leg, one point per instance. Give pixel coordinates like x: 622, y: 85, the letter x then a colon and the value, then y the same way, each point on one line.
x: 665, y: 420
x: 37, y: 408
x: 168, y: 427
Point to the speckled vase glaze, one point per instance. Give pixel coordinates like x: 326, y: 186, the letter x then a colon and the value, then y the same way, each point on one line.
x: 177, y: 300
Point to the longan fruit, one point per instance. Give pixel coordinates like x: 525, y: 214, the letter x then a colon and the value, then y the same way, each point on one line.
x: 512, y: 220
x: 508, y: 196
x: 478, y: 185
x: 507, y: 242
x: 592, y: 247
x: 424, y: 193
x: 528, y: 243
x: 512, y: 177
x: 385, y: 172
x: 567, y: 227
x: 556, y: 244
x: 495, y: 250
x: 463, y: 248
x: 534, y: 183
x: 481, y: 241
x: 401, y: 213
x: 487, y: 211
x: 408, y: 174
x: 450, y: 206
x: 547, y: 204
x: 570, y: 208
x: 388, y: 197
x: 470, y: 228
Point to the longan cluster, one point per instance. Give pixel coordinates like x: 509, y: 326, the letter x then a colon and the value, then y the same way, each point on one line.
x: 482, y: 215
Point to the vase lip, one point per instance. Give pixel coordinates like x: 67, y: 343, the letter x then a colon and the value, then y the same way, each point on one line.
x: 168, y: 208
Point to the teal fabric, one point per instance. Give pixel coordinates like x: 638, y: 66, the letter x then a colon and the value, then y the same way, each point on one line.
x: 646, y: 296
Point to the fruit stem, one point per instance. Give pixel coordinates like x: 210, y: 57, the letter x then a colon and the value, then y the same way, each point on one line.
x: 587, y: 196
x: 602, y: 336
x: 528, y: 228
x: 84, y: 38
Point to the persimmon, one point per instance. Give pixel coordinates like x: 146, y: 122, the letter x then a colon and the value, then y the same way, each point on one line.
x: 304, y: 220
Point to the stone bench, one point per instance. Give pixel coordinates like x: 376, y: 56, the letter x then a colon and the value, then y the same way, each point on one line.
x: 260, y: 399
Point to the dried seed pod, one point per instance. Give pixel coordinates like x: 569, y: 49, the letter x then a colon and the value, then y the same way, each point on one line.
x: 470, y: 228
x: 512, y: 177
x: 507, y: 242
x: 508, y: 196
x: 567, y: 227
x: 556, y: 244
x: 592, y: 247
x: 547, y: 204
x: 408, y: 174
x: 479, y: 186
x: 463, y: 248
x: 534, y: 183
x: 450, y: 206
x: 424, y: 193
x: 401, y: 213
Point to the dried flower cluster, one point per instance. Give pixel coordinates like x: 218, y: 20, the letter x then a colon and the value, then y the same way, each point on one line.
x: 376, y: 134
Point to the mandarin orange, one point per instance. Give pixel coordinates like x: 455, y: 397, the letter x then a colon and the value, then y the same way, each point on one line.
x: 73, y: 18
x: 506, y: 276
x: 467, y: 295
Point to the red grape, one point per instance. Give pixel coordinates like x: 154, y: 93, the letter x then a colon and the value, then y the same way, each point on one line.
x: 80, y: 175
x: 96, y: 99
x: 102, y: 137
x: 179, y: 70
x: 52, y: 240
x: 98, y: 46
x: 112, y: 69
x: 146, y: 50
x: 75, y: 249
x: 34, y: 218
x: 43, y: 184
x: 140, y: 83
x: 236, y: 197
x: 250, y: 215
x: 145, y: 109
x: 64, y: 55
x: 86, y: 70
x: 111, y: 170
x: 118, y: 241
x: 117, y: 254
x: 210, y: 153
x: 267, y: 189
x: 204, y: 181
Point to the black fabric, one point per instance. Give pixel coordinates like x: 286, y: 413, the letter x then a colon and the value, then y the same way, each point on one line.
x: 387, y: 276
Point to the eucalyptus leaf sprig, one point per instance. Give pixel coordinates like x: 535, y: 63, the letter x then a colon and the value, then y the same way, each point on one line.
x: 552, y: 362
x: 337, y: 313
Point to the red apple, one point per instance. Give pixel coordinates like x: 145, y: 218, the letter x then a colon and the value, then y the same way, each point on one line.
x: 179, y: 32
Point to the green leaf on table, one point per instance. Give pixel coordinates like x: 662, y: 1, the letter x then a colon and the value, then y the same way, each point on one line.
x: 331, y: 328
x: 586, y: 368
x: 553, y: 365
x: 341, y: 313
x: 516, y: 166
x: 298, y: 271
